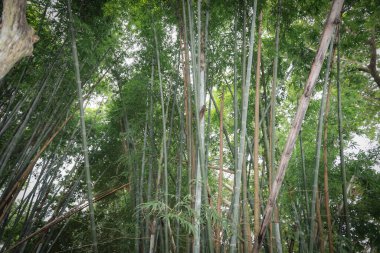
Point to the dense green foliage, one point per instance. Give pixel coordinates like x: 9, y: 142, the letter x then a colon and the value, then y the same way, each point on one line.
x: 41, y: 158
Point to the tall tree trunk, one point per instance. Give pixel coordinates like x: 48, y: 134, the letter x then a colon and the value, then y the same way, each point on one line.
x: 83, y: 128
x: 331, y: 22
x: 243, y: 130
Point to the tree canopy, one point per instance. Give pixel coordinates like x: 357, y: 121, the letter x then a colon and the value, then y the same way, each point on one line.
x: 189, y: 126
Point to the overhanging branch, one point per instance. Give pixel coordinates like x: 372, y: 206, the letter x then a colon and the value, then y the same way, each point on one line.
x: 371, y: 68
x: 372, y: 64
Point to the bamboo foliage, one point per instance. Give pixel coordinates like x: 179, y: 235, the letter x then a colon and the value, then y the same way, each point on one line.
x: 154, y: 104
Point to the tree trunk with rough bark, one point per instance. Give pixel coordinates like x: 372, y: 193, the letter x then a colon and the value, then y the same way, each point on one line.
x: 16, y: 36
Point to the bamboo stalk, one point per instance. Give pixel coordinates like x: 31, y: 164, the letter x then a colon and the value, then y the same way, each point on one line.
x: 272, y: 127
x: 320, y: 225
x: 256, y: 137
x: 318, y: 147
x: 69, y: 213
x: 220, y: 178
x: 325, y: 174
x: 11, y: 196
x: 346, y: 216
x: 331, y: 22
x: 179, y: 174
x: 237, y: 183
x: 83, y: 128
x: 166, y: 225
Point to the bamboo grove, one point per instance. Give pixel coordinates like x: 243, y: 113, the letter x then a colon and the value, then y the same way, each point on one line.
x: 189, y: 126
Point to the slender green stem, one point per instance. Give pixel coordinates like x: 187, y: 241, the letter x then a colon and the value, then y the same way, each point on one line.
x: 318, y: 148
x: 83, y: 127
x: 341, y: 148
x: 243, y: 130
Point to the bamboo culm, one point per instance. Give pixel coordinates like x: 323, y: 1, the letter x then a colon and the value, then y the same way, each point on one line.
x: 257, y: 135
x: 318, y: 147
x: 242, y: 144
x: 166, y: 225
x: 330, y: 25
x: 341, y: 148
x: 83, y: 128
